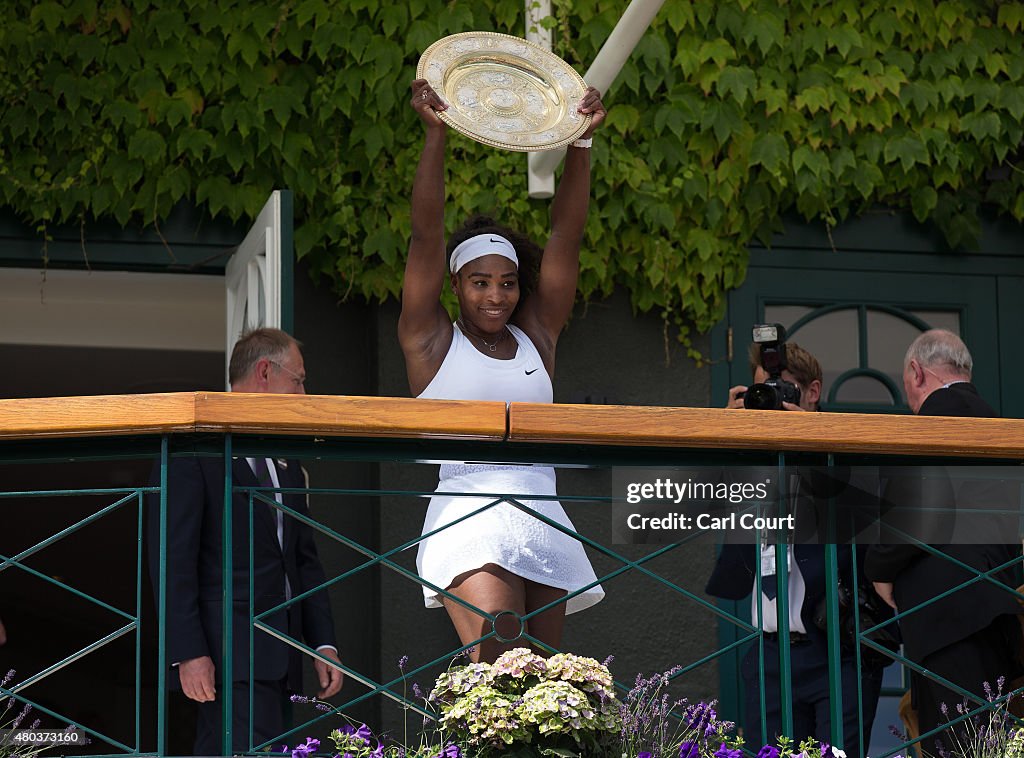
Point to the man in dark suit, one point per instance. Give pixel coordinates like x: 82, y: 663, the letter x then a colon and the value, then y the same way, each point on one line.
x: 971, y: 636
x: 284, y: 564
x: 733, y: 578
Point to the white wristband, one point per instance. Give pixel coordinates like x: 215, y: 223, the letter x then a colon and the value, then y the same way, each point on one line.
x: 584, y: 143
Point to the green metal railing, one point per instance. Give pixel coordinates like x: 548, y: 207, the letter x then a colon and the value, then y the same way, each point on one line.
x: 150, y: 728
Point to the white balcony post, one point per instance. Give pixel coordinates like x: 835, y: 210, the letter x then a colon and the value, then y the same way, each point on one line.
x: 540, y: 185
x: 606, y: 66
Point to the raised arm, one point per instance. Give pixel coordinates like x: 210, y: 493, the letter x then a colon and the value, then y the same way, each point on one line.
x: 546, y: 311
x: 424, y: 330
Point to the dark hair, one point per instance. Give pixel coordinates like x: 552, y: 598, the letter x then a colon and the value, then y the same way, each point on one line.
x: 259, y: 343
x: 528, y: 251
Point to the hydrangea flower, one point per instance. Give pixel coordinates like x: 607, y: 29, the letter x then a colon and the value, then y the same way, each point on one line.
x: 458, y: 681
x: 557, y: 707
x: 484, y: 716
x: 518, y: 664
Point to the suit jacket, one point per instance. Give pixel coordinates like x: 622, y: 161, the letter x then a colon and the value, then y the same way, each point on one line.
x: 733, y: 576
x: 195, y: 497
x: 918, y: 576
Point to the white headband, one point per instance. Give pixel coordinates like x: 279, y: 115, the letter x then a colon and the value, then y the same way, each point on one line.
x: 479, y: 246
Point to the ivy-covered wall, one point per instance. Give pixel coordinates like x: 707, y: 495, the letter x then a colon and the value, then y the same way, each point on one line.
x: 729, y: 113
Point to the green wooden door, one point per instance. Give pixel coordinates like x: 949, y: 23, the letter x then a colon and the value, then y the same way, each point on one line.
x: 859, y: 324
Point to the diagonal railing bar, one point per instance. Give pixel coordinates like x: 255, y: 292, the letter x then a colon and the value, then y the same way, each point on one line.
x: 107, y: 639
x: 68, y: 587
x: 982, y: 576
x: 60, y: 717
x: 377, y: 557
x: 313, y: 653
x: 927, y: 673
x: 362, y: 698
x: 979, y: 577
x: 132, y: 494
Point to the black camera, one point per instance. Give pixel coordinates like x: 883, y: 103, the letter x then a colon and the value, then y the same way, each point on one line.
x: 773, y: 392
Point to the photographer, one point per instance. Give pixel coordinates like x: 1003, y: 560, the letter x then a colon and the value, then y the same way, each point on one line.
x: 787, y: 377
x: 802, y: 370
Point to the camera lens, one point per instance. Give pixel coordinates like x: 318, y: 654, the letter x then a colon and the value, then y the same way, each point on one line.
x: 762, y: 397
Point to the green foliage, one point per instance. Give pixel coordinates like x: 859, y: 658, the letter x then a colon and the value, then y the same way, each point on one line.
x: 729, y: 114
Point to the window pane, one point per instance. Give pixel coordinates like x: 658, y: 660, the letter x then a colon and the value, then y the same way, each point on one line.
x: 831, y: 338
x: 864, y: 389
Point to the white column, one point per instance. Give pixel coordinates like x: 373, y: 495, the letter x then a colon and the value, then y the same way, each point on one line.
x: 540, y: 185
x: 606, y: 66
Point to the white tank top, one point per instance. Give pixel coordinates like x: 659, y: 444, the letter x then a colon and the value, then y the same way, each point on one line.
x: 468, y: 374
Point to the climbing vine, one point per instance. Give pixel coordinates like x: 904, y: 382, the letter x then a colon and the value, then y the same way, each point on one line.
x: 729, y: 114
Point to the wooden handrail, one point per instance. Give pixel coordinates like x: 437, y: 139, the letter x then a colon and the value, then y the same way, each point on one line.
x: 250, y: 413
x: 766, y: 430
x: 406, y: 418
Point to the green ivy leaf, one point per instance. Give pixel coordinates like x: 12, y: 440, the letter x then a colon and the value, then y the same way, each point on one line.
x: 766, y: 30
x: 1011, y: 99
x: 737, y: 82
x: 148, y: 146
x: 1011, y: 16
x: 981, y: 125
x: 923, y: 201
x: 814, y: 99
x: 769, y: 150
x: 908, y: 150
x: 384, y: 243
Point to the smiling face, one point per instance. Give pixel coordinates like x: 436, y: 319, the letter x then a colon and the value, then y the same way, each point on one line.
x: 488, y: 292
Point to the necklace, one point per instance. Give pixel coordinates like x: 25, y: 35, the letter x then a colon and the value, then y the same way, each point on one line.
x: 493, y: 347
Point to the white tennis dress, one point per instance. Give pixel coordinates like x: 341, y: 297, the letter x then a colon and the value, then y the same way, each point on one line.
x: 502, y: 534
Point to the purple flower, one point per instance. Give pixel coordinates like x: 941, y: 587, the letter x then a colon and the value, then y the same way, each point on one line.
x: 403, y: 662
x: 768, y: 751
x: 725, y: 752
x: 363, y: 732
x: 416, y: 691
x: 303, y: 751
x: 450, y: 750
x: 644, y: 754
x: 688, y: 750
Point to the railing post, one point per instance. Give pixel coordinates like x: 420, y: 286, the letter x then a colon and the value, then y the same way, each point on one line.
x: 835, y: 668
x: 227, y: 593
x: 161, y: 679
x: 782, y: 553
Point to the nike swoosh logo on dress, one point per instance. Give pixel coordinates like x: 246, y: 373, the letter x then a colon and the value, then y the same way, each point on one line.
x: 531, y: 371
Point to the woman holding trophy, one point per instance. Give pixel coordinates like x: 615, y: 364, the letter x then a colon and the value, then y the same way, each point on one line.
x: 514, y: 300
